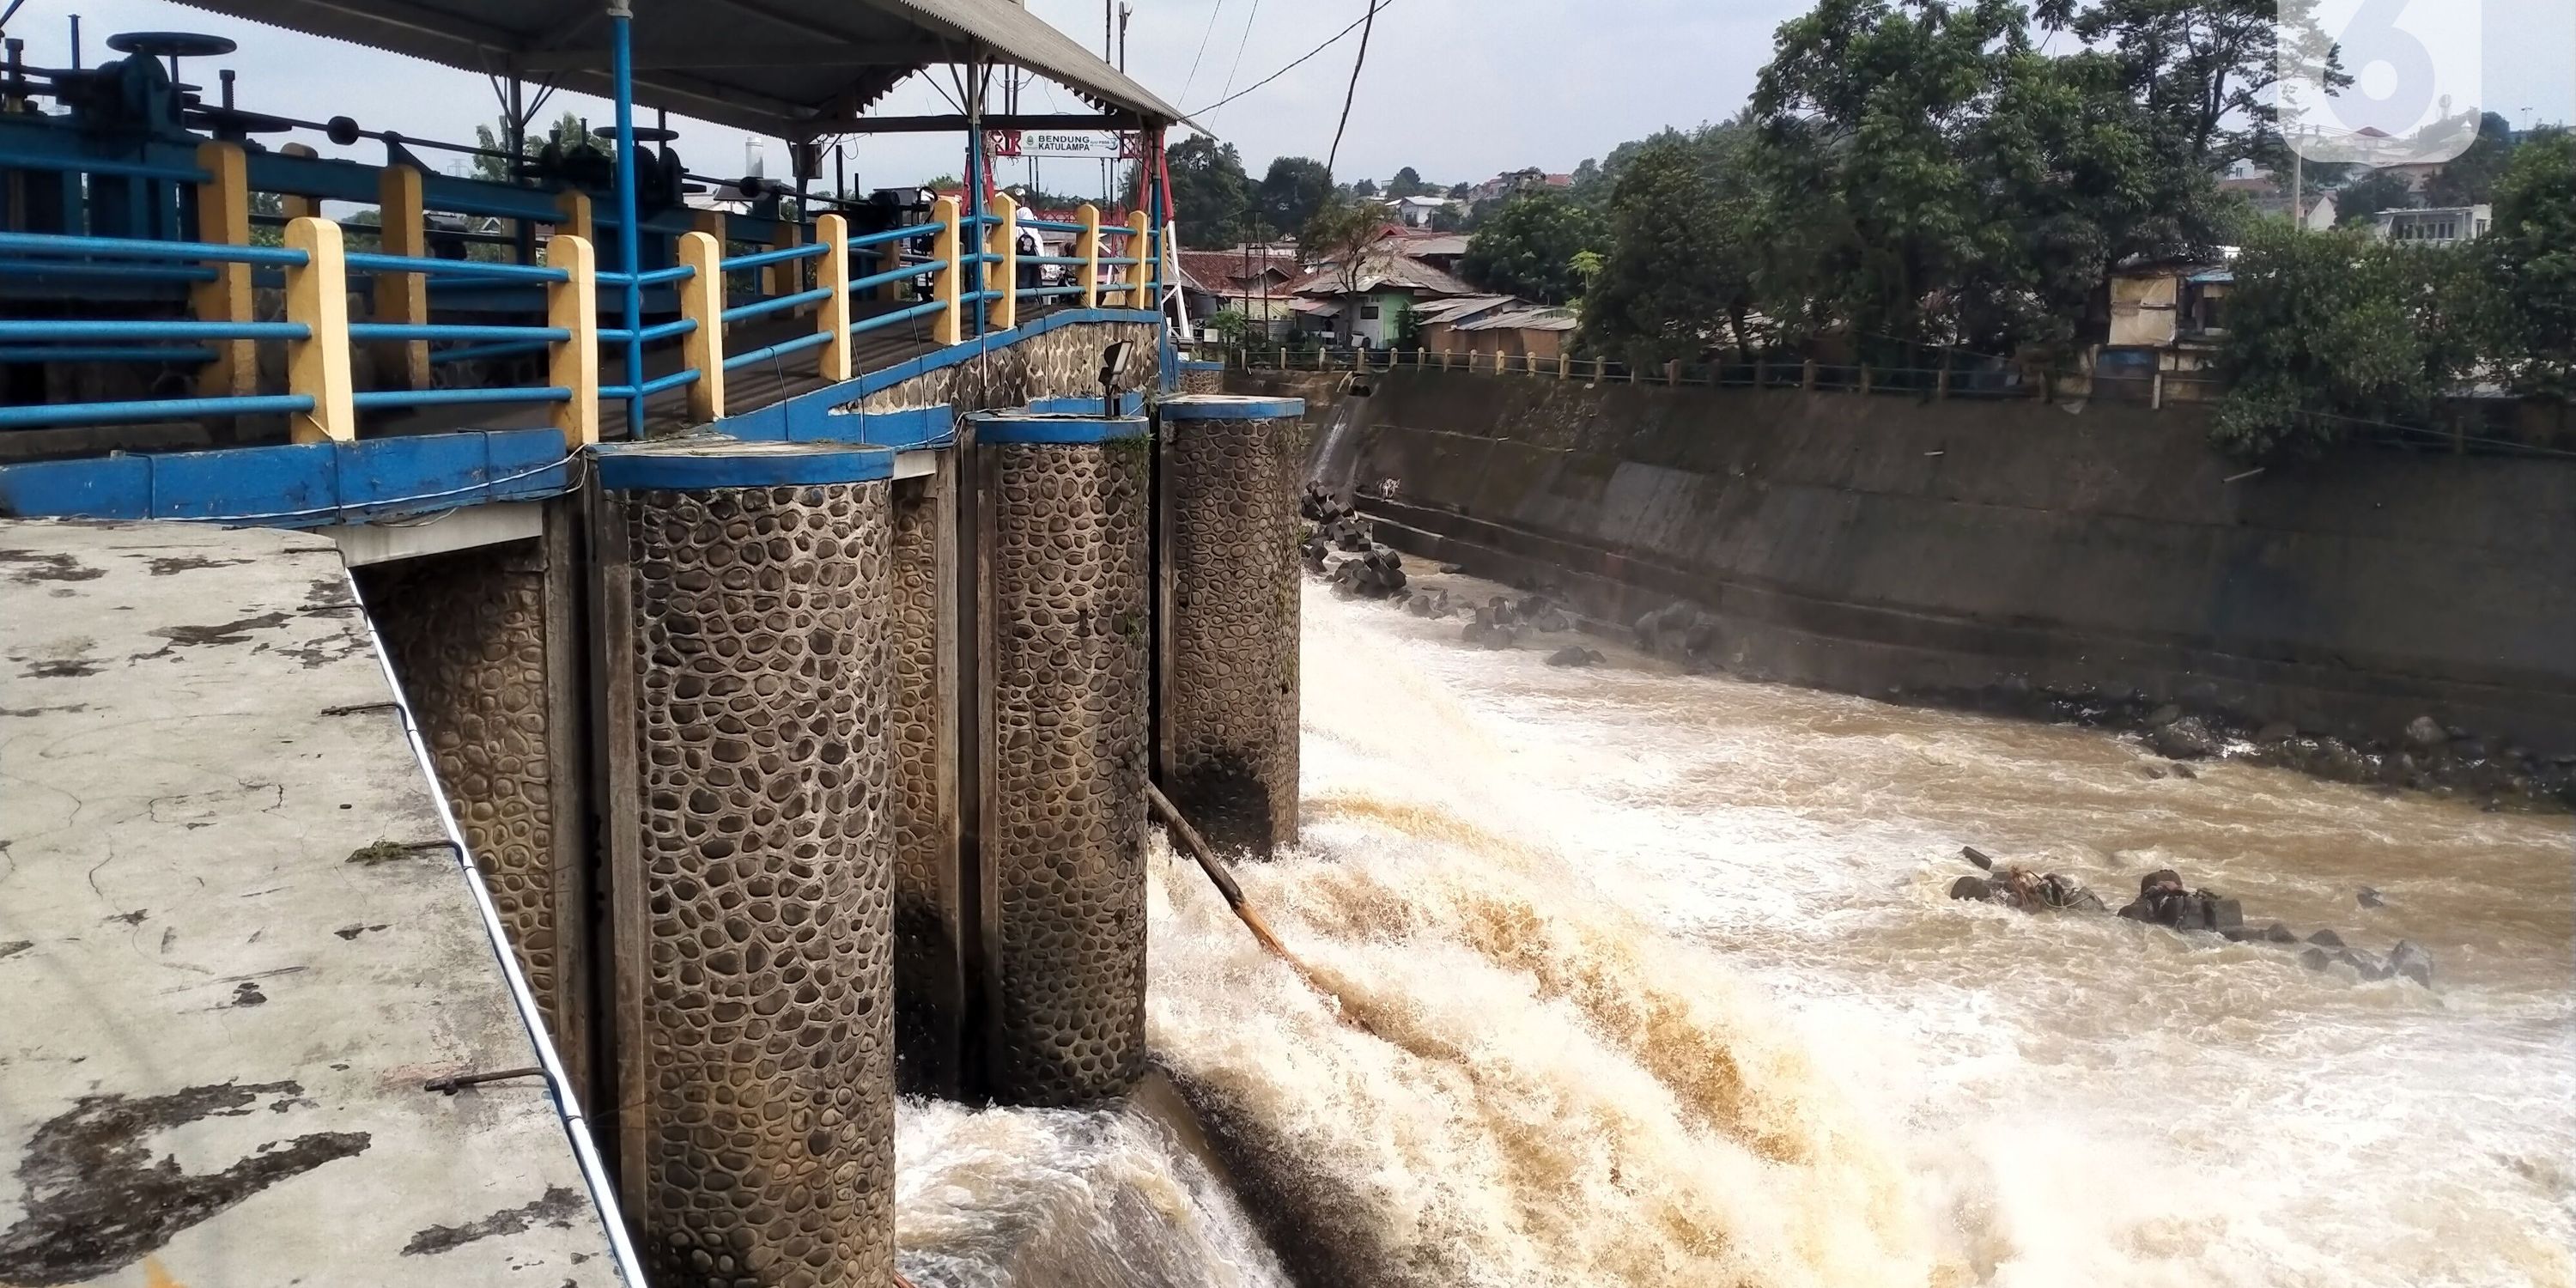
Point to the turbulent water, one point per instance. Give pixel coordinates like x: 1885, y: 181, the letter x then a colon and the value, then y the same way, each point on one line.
x: 1650, y: 979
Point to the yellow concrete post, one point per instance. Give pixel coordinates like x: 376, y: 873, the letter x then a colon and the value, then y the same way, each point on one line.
x: 576, y: 221
x: 403, y: 297
x: 223, y: 217
x: 1134, y: 296
x: 1087, y: 249
x: 289, y: 204
x: 317, y: 366
x: 1564, y: 366
x: 1003, y: 244
x: 890, y: 258
x: 948, y: 326
x: 787, y: 278
x: 573, y: 364
x: 833, y: 274
x: 702, y: 300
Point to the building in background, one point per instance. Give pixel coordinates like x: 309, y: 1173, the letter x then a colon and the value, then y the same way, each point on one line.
x: 2440, y: 226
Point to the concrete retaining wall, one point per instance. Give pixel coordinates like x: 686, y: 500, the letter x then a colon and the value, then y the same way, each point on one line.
x: 1873, y: 543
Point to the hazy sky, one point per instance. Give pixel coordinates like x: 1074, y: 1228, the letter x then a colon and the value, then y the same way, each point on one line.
x: 1462, y: 89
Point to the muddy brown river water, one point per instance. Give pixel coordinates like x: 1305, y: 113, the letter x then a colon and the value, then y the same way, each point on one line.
x: 1650, y: 979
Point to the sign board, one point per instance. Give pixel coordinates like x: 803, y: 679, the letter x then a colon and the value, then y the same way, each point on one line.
x: 1098, y: 145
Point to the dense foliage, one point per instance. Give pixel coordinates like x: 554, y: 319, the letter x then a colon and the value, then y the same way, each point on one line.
x: 2532, y: 261
x: 1529, y: 248
x: 1681, y: 272
x: 2328, y: 333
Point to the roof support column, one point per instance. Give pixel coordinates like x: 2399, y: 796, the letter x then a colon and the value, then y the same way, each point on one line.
x: 621, y: 21
x: 976, y: 76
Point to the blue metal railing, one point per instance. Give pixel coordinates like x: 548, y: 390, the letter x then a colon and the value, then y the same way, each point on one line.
x: 665, y: 331
x: 675, y: 380
x: 866, y: 240
x: 152, y: 329
x: 384, y: 398
x: 365, y: 262
x: 782, y: 255
x: 447, y: 331
x: 656, y: 277
x: 775, y: 304
x: 65, y: 415
x: 884, y: 320
x: 140, y: 353
x: 97, y: 165
x: 189, y: 342
x: 136, y: 248
x: 780, y: 350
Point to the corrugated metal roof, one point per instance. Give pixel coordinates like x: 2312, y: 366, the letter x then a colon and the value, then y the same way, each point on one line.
x: 1528, y: 317
x: 1439, y: 311
x: 787, y: 68
x: 1385, y: 270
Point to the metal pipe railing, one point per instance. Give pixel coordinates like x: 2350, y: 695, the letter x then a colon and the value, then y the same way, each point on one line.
x: 313, y: 269
x: 782, y: 255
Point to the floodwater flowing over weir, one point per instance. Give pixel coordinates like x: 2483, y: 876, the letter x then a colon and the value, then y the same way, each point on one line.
x: 1661, y: 987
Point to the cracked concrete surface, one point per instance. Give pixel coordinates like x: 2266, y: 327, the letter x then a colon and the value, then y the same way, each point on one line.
x: 184, y: 938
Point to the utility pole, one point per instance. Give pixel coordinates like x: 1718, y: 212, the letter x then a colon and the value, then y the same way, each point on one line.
x: 2298, y: 185
x: 1125, y: 14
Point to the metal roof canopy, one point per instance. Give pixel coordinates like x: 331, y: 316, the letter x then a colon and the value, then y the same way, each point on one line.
x: 791, y: 69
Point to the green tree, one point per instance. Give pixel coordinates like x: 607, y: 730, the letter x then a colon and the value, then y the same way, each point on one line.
x: 2359, y: 203
x: 1293, y: 191
x: 2328, y: 330
x: 1681, y: 274
x: 1343, y: 234
x: 2471, y: 178
x: 2203, y: 70
x: 1407, y: 183
x: 1528, y: 248
x: 1930, y: 178
x: 2532, y: 260
x: 1210, y: 191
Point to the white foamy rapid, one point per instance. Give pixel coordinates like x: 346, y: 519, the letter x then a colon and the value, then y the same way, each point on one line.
x: 1650, y: 979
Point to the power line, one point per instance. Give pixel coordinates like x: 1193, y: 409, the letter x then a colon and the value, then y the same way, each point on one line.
x: 1239, y: 47
x: 1307, y: 57
x: 1213, y: 15
x: 1369, y: 24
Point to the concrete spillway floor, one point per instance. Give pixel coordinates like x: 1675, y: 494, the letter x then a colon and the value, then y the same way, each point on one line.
x: 235, y: 942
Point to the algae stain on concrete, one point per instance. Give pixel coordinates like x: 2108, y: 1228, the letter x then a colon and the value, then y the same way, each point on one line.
x: 96, y: 1200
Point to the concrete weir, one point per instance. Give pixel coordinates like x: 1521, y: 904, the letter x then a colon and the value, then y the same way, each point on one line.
x: 1226, y: 745
x: 745, y: 622
x: 1063, y: 620
x: 236, y: 945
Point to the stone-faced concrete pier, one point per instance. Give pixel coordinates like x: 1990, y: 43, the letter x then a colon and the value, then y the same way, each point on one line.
x: 745, y: 616
x: 1065, y: 609
x: 1228, y: 621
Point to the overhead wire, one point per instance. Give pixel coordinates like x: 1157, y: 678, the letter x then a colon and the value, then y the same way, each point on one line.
x: 1239, y: 46
x: 1368, y: 25
x: 1302, y: 59
x: 1204, y: 36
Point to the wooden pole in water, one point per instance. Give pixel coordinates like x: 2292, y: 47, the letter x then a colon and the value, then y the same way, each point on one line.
x: 1226, y: 885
